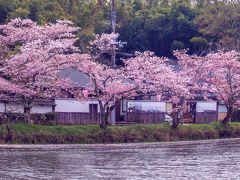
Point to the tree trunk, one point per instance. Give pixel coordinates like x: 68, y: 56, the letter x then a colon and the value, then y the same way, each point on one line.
x: 104, y: 115
x: 228, y: 116
x: 104, y: 120
x: 175, y: 118
x: 27, y: 114
x: 5, y: 121
x: 28, y: 103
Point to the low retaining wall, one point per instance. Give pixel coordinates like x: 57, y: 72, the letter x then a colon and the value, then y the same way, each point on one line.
x: 47, y: 118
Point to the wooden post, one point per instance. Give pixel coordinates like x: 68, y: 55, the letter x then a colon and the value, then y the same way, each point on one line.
x: 217, y: 110
x: 54, y: 113
x: 113, y: 19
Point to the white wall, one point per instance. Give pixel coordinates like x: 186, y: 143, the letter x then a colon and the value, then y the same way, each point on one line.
x: 41, y: 109
x: 2, y: 107
x: 71, y: 105
x: 147, y: 105
x: 112, y: 118
x: 206, y: 106
x: 153, y: 98
x: 14, y: 108
x: 222, y: 108
x: 123, y: 105
x: 18, y: 108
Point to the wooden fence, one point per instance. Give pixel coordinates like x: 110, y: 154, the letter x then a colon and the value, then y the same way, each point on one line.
x: 206, y: 117
x: 145, y: 117
x: 86, y: 118
x: 236, y: 116
x: 75, y: 118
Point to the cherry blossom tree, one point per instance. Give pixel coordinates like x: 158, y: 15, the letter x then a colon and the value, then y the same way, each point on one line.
x: 142, y: 74
x: 104, y: 43
x: 215, y: 74
x: 32, y: 57
x: 106, y: 85
x: 6, y: 90
x: 153, y: 74
x: 103, y: 46
x: 34, y: 67
x: 25, y: 30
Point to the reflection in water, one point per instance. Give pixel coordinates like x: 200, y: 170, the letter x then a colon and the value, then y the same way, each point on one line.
x: 218, y: 159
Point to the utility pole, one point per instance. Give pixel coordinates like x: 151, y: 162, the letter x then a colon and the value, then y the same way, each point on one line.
x: 113, y: 19
x: 115, y: 43
x: 113, y: 16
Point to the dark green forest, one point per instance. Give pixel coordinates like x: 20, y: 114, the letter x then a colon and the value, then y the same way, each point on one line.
x: 156, y: 25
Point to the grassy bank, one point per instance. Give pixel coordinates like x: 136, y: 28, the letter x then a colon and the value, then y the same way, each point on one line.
x: 37, y: 134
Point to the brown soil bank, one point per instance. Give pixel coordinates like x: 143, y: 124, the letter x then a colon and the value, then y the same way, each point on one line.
x: 38, y: 134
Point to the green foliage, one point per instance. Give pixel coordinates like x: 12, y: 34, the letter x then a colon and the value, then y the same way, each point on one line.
x: 35, y: 8
x: 161, y: 28
x: 52, y: 11
x: 177, y: 45
x: 199, y: 43
x: 219, y: 22
x: 6, y: 7
x: 156, y: 25
x: 19, y: 12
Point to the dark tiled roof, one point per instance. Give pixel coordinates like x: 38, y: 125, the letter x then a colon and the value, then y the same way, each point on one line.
x: 79, y: 78
x: 18, y: 100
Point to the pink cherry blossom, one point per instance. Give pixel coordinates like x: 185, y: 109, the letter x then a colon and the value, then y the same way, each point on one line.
x: 44, y: 51
x: 141, y: 75
x: 216, y: 74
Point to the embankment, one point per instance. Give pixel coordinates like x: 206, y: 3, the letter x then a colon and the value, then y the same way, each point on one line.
x: 39, y: 134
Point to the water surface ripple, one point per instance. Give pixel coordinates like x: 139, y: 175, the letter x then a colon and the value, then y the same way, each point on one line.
x: 213, y: 159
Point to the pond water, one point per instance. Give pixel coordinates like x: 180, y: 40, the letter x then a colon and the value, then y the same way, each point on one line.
x: 213, y: 159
